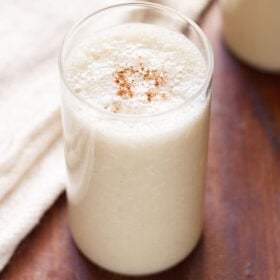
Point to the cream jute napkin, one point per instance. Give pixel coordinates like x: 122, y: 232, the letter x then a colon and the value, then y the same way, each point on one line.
x: 32, y: 172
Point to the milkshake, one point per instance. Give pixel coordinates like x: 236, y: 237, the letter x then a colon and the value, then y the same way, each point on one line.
x: 136, y: 131
x: 251, y: 31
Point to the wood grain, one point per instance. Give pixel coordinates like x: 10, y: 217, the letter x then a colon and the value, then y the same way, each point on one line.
x: 241, y: 237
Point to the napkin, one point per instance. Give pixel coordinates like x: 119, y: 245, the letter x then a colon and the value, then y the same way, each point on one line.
x: 32, y: 171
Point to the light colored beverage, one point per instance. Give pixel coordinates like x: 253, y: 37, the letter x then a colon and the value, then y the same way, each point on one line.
x: 136, y: 134
x: 251, y: 30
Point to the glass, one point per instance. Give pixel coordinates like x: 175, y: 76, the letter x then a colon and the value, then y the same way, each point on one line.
x: 136, y: 190
x: 251, y: 31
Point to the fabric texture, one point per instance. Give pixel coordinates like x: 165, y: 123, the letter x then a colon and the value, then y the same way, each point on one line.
x: 32, y: 171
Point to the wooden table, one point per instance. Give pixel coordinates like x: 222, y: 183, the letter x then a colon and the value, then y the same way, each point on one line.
x: 241, y: 238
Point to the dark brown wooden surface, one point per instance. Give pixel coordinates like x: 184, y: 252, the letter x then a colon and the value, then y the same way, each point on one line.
x: 241, y: 237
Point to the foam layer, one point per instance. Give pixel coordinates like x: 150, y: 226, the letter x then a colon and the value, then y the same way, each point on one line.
x: 136, y: 69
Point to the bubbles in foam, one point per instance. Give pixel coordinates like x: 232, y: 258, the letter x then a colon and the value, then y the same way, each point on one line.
x: 136, y: 69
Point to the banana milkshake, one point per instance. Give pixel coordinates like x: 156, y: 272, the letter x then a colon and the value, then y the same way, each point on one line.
x: 136, y: 133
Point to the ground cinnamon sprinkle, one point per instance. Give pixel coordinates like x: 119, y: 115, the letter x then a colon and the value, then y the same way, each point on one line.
x: 125, y: 78
x: 160, y: 80
x: 121, y: 79
x: 150, y: 95
x: 117, y: 107
x: 122, y: 92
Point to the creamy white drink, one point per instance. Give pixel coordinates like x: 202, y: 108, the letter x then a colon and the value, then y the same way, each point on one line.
x: 136, y: 134
x: 251, y: 30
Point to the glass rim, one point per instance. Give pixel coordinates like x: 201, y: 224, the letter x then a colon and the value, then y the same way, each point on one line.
x: 155, y: 6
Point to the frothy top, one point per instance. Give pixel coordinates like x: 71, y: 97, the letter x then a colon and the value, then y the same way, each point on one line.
x: 136, y: 69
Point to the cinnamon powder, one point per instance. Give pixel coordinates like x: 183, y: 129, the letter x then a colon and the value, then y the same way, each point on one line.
x: 125, y: 78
